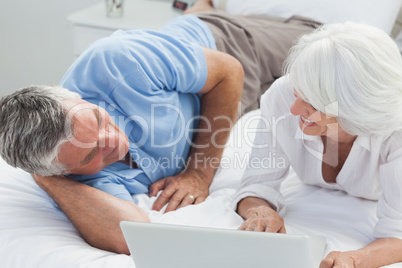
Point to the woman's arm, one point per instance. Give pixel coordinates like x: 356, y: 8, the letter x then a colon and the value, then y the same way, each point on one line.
x: 379, y: 253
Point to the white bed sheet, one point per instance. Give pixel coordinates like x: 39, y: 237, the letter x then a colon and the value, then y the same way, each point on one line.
x: 33, y: 233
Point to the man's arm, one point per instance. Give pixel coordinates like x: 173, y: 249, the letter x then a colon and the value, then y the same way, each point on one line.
x: 94, y: 213
x: 221, y: 95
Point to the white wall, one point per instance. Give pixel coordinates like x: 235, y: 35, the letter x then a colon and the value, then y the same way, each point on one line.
x: 35, y: 41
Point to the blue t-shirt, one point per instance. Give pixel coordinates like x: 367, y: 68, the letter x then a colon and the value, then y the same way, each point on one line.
x: 148, y: 82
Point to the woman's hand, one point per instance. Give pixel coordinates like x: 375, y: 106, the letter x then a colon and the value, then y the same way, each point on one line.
x: 379, y: 253
x: 339, y: 259
x: 263, y: 219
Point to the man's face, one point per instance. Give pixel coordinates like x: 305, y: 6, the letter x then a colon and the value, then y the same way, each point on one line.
x: 97, y: 141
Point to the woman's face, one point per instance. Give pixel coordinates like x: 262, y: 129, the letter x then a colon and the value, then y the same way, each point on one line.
x: 313, y: 122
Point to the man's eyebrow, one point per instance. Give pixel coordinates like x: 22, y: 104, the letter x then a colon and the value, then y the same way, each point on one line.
x: 98, y: 116
x: 92, y: 154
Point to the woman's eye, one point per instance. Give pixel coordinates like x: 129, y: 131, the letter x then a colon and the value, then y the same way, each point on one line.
x: 313, y: 108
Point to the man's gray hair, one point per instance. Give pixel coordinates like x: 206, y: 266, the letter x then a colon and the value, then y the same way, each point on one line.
x: 33, y: 125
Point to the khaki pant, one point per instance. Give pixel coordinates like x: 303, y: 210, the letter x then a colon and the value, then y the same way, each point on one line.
x: 261, y: 44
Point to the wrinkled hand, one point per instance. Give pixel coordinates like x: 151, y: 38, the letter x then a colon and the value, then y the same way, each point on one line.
x: 337, y: 259
x: 179, y: 191
x: 263, y: 219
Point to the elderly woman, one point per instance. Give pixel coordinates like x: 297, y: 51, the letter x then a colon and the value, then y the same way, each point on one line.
x: 336, y: 119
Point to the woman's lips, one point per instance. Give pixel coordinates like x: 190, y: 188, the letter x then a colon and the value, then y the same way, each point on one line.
x: 306, y: 122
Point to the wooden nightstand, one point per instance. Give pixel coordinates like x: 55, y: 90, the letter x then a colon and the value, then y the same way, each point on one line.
x: 91, y: 23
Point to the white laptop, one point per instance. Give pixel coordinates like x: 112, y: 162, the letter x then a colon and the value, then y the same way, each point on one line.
x: 154, y: 245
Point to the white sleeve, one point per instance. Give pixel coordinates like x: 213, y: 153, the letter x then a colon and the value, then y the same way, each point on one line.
x: 389, y: 209
x: 267, y: 168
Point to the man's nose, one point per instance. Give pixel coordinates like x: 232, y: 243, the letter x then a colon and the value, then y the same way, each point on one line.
x: 108, y: 137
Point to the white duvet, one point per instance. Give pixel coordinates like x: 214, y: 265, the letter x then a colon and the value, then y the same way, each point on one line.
x: 33, y: 233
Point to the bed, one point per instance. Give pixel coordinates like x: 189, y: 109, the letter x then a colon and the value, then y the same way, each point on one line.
x: 34, y: 233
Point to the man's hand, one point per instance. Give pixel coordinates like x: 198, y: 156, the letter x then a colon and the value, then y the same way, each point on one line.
x: 263, y: 219
x: 181, y: 190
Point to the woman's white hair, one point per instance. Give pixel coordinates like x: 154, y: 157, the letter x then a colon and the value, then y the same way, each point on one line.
x: 352, y: 71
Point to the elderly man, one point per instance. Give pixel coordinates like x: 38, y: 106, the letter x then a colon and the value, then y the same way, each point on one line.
x: 143, y: 111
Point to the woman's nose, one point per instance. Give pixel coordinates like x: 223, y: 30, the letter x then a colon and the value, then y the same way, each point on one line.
x: 299, y: 107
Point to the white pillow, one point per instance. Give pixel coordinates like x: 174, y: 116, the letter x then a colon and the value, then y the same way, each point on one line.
x: 379, y: 13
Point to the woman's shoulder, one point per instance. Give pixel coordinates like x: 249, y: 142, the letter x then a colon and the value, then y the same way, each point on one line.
x: 391, y: 146
x: 278, y: 98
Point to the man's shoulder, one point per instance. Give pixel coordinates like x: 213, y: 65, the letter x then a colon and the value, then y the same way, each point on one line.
x: 110, y: 44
